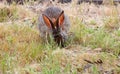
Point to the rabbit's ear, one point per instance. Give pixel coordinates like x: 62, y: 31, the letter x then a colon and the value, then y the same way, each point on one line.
x: 47, y: 21
x: 61, y: 18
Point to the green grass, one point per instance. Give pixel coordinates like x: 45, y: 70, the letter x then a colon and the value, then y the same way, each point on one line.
x: 23, y: 51
x: 94, y: 38
x: 7, y: 13
x: 26, y: 47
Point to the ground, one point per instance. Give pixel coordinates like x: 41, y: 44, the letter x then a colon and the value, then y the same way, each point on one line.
x: 93, y: 46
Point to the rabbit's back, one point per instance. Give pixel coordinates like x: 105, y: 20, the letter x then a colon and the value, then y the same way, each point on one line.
x: 52, y: 12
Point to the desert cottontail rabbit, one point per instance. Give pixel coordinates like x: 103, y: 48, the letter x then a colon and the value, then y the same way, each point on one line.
x: 54, y: 22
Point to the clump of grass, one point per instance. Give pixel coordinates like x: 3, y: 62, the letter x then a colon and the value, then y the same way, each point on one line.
x: 50, y: 66
x: 78, y: 29
x: 15, y: 12
x: 111, y: 23
x: 92, y: 22
x: 4, y: 14
x: 118, y: 33
x: 7, y: 12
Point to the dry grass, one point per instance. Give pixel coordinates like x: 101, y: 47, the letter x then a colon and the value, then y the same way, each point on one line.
x: 95, y: 37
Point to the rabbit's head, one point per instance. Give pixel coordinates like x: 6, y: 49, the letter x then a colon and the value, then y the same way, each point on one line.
x: 56, y: 27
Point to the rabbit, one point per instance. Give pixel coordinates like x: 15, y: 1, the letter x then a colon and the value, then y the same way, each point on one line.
x: 56, y: 23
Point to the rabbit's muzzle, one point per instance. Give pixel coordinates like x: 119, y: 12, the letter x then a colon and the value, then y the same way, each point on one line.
x: 58, y: 38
